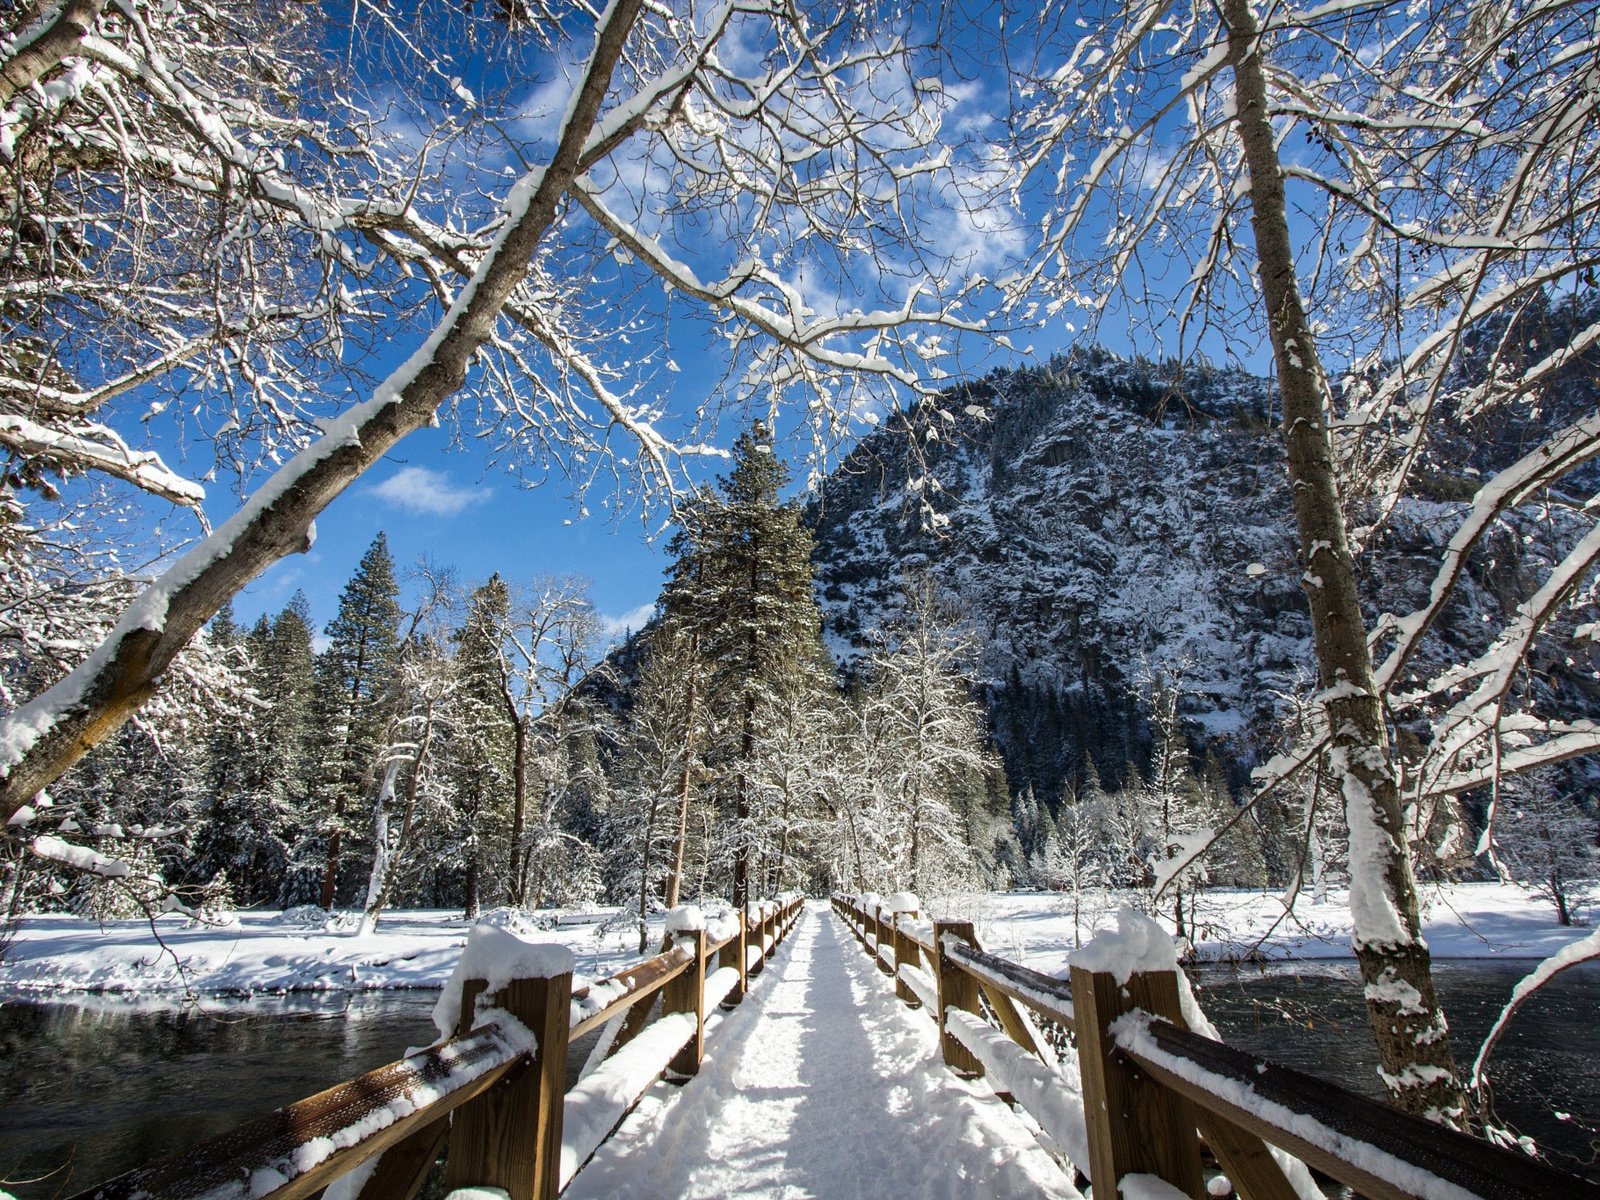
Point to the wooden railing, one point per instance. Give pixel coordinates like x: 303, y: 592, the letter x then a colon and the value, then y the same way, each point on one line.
x: 498, y: 1088
x: 1113, y: 1075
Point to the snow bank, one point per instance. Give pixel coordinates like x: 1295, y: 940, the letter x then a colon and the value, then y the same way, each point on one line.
x: 1139, y: 945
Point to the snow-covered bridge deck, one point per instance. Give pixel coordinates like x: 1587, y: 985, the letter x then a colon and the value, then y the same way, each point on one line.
x: 821, y: 1084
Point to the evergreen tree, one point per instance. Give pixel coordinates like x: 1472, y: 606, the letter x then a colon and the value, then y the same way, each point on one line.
x: 741, y: 591
x: 354, y: 679
x: 923, y: 736
x: 482, y: 742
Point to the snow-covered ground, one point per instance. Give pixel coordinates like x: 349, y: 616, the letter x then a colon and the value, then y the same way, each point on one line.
x: 1463, y: 920
x: 268, y: 952
x: 260, y: 952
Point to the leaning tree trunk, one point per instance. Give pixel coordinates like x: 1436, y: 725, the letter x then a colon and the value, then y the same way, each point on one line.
x: 44, y: 737
x: 1413, y: 1039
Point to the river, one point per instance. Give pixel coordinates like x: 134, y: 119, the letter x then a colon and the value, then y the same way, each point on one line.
x: 91, y: 1088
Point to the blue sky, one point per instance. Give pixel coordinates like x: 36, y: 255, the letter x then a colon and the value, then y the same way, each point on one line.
x: 442, y: 504
x: 452, y: 505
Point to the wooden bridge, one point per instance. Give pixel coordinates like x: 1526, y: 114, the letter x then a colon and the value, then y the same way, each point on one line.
x: 805, y: 1071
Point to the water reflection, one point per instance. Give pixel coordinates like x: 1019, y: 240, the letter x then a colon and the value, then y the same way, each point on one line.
x: 89, y: 1090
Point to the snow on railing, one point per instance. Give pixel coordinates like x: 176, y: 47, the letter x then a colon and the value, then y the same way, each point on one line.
x: 506, y: 1018
x: 1144, y: 1081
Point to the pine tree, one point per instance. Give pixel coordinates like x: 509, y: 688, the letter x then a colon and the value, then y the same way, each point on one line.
x: 482, y: 743
x: 741, y: 591
x: 354, y: 677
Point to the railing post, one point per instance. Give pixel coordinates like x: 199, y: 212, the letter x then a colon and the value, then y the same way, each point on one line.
x: 906, y: 953
x: 957, y: 989
x: 510, y: 1136
x: 769, y: 928
x: 885, y: 939
x: 1135, y: 1125
x: 732, y: 955
x: 687, y: 994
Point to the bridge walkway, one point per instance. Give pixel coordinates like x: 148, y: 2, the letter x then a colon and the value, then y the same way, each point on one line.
x: 821, y: 1084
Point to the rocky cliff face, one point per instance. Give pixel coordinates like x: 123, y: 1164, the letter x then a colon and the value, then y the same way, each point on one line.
x: 1101, y: 519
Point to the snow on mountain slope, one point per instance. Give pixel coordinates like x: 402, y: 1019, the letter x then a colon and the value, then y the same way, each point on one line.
x: 1100, y: 518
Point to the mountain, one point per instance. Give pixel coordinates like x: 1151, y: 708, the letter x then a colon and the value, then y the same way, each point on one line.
x: 1102, y: 519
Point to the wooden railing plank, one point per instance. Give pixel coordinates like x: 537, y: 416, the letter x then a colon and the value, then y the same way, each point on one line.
x: 640, y: 982
x: 687, y: 994
x: 1043, y: 993
x: 957, y: 989
x: 510, y: 1136
x: 1245, y: 1159
x: 1433, y: 1150
x: 267, y: 1142
x: 403, y: 1168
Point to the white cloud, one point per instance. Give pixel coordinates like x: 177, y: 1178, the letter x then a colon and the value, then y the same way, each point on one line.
x: 420, y: 490
x: 629, y: 622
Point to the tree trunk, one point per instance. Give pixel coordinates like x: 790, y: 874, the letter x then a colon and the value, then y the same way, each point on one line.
x: 644, y: 870
x: 1413, y: 1039
x: 685, y: 776
x: 330, y: 869
x: 519, y: 796
x: 413, y: 787
x: 469, y: 903
x: 742, y: 811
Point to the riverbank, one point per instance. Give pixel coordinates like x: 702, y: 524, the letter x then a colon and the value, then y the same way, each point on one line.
x: 302, y: 950
x: 1460, y: 921
x: 254, y: 953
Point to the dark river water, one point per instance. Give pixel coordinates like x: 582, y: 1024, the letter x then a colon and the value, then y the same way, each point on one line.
x: 88, y: 1091
x: 1544, y: 1082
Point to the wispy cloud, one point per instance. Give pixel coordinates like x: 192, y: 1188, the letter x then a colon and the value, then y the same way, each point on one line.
x: 628, y: 622
x: 421, y: 490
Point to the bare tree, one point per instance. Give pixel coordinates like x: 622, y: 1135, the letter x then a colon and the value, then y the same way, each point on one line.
x: 777, y: 128
x: 1409, y: 178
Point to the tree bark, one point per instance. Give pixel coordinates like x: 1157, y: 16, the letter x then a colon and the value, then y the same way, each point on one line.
x: 46, y: 736
x: 43, y: 53
x: 685, y: 777
x: 1413, y: 1038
